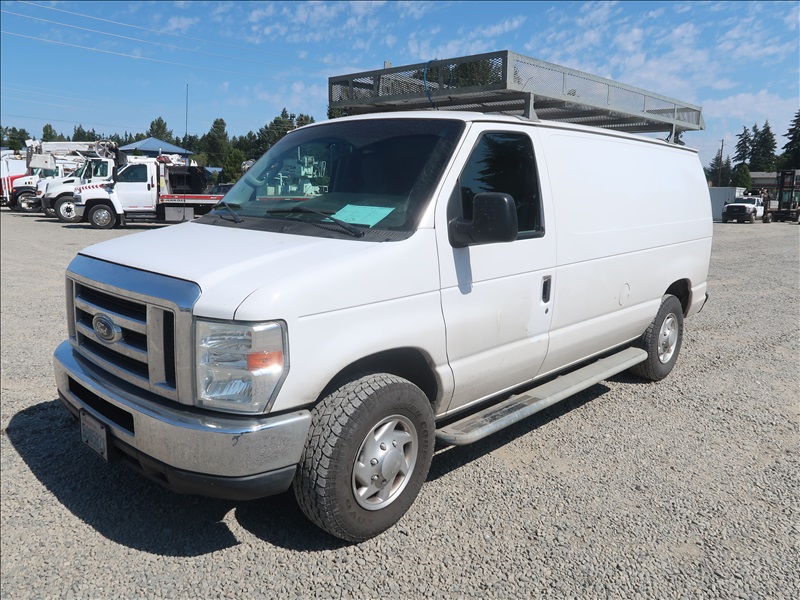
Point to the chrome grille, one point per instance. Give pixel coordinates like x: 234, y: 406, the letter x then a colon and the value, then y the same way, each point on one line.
x: 151, y: 342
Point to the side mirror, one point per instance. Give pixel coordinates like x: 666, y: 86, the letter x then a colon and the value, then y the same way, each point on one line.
x: 494, y: 219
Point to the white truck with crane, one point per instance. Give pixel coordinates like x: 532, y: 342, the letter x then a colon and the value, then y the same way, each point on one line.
x: 149, y: 189
x: 45, y: 162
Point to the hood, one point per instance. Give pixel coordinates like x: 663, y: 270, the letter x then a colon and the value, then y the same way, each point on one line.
x: 257, y: 275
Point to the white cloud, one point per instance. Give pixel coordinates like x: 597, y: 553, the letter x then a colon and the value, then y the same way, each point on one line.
x: 416, y: 10
x: 504, y: 27
x: 259, y: 14
x: 181, y: 24
x: 365, y: 7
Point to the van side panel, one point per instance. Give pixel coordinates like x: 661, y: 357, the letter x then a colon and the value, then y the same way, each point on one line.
x: 633, y: 217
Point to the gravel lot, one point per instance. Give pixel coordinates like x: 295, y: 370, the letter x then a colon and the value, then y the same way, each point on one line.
x: 682, y: 489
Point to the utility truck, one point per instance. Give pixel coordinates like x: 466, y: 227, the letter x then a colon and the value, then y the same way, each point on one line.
x: 57, y: 194
x: 46, y: 161
x: 12, y: 167
x: 744, y: 209
x: 151, y: 189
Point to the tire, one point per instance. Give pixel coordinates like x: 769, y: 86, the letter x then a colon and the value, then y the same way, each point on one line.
x: 367, y: 455
x: 768, y: 218
x: 724, y: 219
x: 64, y: 209
x: 662, y: 341
x: 27, y: 203
x: 102, y: 216
x: 752, y: 218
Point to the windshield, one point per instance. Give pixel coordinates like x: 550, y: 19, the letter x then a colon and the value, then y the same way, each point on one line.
x: 79, y: 171
x: 370, y: 179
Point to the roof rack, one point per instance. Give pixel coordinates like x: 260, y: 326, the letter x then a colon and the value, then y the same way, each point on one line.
x: 508, y: 83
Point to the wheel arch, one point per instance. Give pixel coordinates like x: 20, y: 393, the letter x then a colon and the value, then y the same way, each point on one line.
x: 92, y: 202
x: 682, y: 290
x: 409, y: 363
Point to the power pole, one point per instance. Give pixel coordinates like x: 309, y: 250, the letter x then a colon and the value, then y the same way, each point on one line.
x: 719, y: 173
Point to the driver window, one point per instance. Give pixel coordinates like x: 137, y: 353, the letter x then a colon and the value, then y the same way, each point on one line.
x: 134, y: 174
x: 504, y: 163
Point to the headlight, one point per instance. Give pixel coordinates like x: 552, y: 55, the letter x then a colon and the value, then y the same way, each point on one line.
x: 239, y: 368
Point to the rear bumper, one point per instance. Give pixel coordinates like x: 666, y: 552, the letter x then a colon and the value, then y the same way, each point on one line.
x: 186, y: 450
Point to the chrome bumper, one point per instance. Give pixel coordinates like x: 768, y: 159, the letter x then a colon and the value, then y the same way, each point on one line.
x: 197, y: 445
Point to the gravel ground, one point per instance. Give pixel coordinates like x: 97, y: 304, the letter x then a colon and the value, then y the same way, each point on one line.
x: 683, y: 489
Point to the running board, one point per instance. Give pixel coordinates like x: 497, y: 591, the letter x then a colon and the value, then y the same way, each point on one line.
x: 494, y: 418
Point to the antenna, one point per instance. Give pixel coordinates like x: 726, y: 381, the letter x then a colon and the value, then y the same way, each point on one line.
x: 185, y: 152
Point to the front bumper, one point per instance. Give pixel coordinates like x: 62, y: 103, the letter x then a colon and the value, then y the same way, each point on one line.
x: 184, y: 449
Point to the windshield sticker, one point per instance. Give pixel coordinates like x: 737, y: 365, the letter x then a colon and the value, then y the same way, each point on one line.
x: 363, y: 215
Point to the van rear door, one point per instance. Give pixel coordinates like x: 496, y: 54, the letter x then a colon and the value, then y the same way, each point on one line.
x: 496, y: 298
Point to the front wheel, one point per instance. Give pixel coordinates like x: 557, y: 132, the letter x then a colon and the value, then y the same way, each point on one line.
x: 368, y: 453
x: 662, y: 341
x: 102, y: 216
x: 64, y: 209
x: 27, y: 203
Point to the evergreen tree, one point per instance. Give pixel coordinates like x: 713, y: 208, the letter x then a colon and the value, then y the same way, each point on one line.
x: 762, y: 156
x: 14, y: 138
x: 743, y: 147
x: 48, y: 133
x: 247, y: 144
x: 269, y: 135
x: 216, y: 143
x: 727, y: 172
x: 713, y: 171
x: 160, y: 131
x: 791, y: 156
x: 741, y: 177
x: 232, y: 166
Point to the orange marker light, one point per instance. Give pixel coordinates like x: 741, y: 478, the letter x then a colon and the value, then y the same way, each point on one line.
x: 257, y: 361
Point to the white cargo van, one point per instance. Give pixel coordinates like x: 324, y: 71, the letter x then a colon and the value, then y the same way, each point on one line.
x: 374, y: 284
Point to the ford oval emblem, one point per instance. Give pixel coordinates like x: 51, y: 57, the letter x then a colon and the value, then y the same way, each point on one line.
x: 105, y: 329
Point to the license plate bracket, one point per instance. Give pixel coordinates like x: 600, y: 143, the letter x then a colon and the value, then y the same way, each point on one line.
x: 95, y: 435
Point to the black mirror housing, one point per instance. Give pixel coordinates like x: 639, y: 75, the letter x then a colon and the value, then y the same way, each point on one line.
x: 494, y: 220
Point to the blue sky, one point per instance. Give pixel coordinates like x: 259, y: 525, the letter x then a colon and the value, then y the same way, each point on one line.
x: 116, y: 66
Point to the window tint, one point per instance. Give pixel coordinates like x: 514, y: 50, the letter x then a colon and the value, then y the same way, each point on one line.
x: 100, y: 169
x: 503, y: 163
x: 134, y: 174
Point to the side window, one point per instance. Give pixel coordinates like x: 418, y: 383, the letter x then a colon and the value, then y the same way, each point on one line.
x: 504, y: 163
x: 134, y: 174
x: 100, y: 169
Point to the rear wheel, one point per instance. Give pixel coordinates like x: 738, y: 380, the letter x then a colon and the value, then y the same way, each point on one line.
x: 662, y: 341
x: 102, y: 216
x: 64, y: 209
x: 367, y: 455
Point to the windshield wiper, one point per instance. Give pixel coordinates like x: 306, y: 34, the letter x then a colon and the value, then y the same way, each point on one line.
x: 354, y: 231
x: 236, y: 217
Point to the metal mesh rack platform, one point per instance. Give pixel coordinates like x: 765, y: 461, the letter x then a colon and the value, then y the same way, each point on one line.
x: 508, y: 83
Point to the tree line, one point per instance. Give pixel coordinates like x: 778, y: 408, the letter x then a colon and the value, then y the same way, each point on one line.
x: 755, y: 149
x: 755, y: 152
x: 215, y: 148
